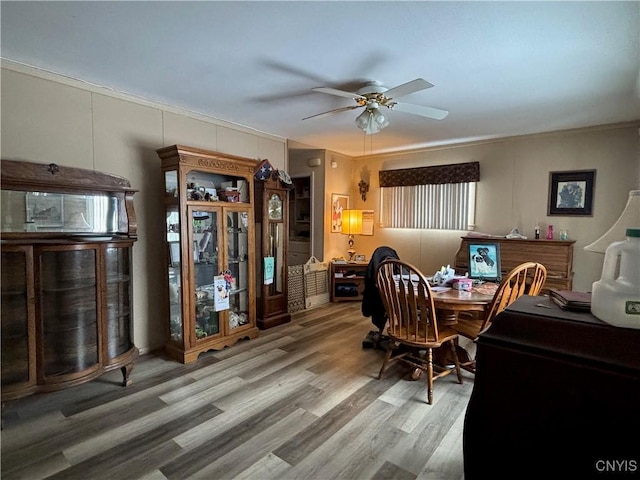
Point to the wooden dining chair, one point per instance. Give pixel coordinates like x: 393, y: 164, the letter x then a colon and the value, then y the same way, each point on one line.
x: 525, y: 279
x: 412, y: 325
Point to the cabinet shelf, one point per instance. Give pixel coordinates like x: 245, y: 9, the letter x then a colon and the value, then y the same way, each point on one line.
x: 235, y: 260
x: 118, y: 279
x: 12, y: 293
x: 50, y: 290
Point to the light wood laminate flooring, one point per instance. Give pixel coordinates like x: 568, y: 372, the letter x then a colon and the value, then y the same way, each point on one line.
x: 301, y: 401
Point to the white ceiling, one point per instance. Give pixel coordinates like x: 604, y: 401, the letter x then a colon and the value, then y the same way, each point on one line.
x: 499, y: 68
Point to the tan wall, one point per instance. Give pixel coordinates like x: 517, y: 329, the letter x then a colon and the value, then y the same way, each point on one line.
x: 53, y: 120
x: 50, y: 119
x: 513, y: 192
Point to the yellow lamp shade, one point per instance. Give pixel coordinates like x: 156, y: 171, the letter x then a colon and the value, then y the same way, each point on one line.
x: 352, y: 222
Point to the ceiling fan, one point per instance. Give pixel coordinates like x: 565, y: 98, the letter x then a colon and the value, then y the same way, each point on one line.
x: 373, y: 95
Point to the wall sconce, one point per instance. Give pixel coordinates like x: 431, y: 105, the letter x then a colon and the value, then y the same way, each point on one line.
x: 351, y: 225
x: 364, y: 188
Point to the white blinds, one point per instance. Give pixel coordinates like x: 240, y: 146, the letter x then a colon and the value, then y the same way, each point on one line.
x: 446, y: 206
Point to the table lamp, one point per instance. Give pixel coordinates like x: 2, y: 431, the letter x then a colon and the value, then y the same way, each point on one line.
x: 629, y: 218
x: 351, y: 225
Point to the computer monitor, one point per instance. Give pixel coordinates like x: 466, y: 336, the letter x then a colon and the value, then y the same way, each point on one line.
x: 484, y: 261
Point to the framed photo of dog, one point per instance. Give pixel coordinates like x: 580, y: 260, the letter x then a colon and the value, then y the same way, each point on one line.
x: 484, y: 261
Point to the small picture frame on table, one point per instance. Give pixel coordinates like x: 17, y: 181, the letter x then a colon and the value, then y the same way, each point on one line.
x: 484, y: 261
x: 571, y: 193
x: 360, y: 258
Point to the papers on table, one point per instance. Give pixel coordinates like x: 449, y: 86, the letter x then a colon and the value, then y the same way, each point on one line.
x: 440, y: 289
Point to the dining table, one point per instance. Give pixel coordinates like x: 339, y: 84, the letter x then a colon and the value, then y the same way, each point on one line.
x: 449, y: 302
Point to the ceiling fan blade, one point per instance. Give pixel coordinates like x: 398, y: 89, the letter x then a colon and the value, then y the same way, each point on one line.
x: 407, y: 88
x: 339, y: 93
x: 332, y: 112
x: 428, y: 112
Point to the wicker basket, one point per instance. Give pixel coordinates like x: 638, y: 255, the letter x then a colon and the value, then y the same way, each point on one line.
x: 295, y: 288
x: 316, y: 283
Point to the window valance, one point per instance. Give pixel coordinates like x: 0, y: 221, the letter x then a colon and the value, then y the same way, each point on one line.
x: 454, y: 173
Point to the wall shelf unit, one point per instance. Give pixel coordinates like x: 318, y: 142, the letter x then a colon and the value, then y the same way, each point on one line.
x: 300, y: 215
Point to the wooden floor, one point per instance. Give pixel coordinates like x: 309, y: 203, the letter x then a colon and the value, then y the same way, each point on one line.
x: 301, y: 401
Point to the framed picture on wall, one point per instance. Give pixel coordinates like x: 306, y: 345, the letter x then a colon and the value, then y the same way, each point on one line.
x: 339, y: 203
x: 571, y: 193
x: 367, y: 222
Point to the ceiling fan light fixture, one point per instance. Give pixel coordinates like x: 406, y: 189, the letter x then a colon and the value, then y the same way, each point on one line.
x: 380, y: 118
x: 373, y: 95
x: 362, y: 120
x: 371, y: 121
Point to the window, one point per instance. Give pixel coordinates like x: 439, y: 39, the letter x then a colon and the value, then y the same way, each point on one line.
x: 441, y: 197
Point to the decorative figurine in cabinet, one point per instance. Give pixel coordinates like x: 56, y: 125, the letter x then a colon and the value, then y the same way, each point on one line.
x: 272, y: 205
x: 210, y: 243
x: 67, y: 236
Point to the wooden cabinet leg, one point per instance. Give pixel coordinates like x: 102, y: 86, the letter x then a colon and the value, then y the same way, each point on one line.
x: 126, y: 374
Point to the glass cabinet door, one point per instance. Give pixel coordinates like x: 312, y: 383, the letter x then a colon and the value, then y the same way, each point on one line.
x: 69, y: 310
x: 204, y: 258
x: 15, y: 316
x: 237, y: 228
x: 174, y: 273
x: 276, y: 251
x: 118, y: 265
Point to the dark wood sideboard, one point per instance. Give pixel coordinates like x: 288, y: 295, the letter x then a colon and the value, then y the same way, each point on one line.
x: 555, y: 255
x: 556, y: 395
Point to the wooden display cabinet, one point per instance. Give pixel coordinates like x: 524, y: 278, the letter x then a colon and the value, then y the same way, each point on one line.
x: 67, y: 236
x: 272, y: 215
x: 209, y: 215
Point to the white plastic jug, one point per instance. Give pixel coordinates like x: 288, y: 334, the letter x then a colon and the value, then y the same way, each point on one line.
x: 615, y: 298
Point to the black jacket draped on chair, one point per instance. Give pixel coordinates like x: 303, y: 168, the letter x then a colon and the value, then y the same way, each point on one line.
x: 372, y: 305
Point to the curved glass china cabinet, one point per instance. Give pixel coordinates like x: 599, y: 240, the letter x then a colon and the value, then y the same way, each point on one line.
x: 67, y: 236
